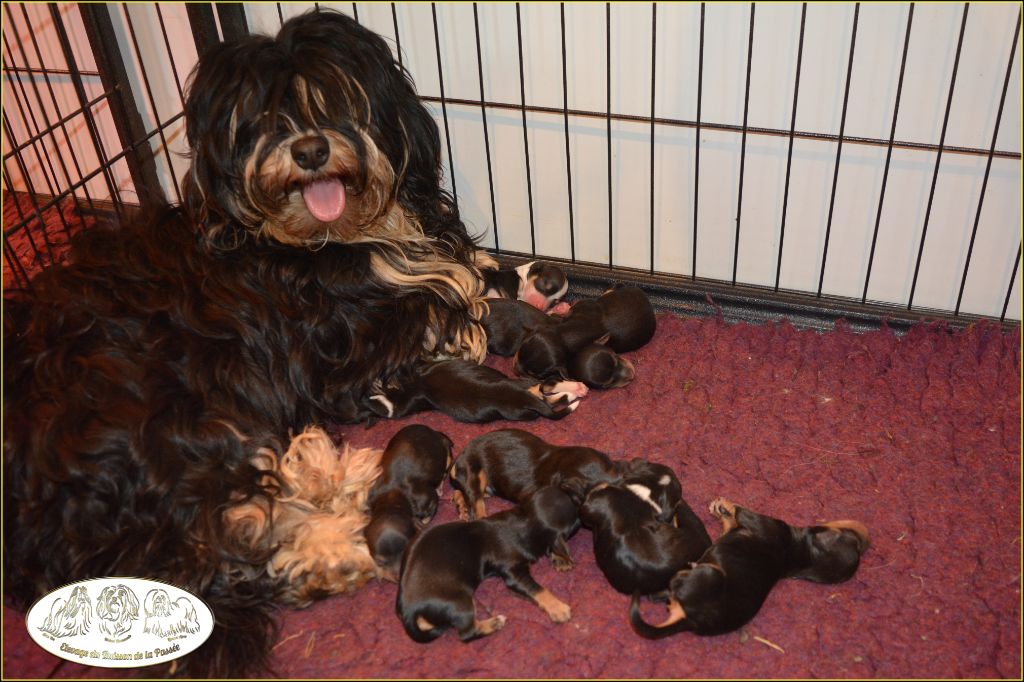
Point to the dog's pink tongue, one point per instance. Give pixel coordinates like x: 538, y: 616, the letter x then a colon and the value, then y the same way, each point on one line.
x: 325, y: 199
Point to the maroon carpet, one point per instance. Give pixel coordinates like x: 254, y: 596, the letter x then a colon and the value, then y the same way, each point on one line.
x: 918, y: 437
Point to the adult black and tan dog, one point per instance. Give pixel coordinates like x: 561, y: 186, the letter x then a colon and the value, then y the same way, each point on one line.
x: 154, y: 379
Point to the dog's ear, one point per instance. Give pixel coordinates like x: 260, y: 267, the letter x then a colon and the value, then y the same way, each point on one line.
x: 576, y: 489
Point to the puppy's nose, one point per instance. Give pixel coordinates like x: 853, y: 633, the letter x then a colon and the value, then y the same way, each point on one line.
x: 311, y: 152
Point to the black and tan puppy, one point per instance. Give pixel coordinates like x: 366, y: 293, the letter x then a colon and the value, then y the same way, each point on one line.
x: 510, y: 322
x: 470, y: 392
x: 445, y: 564
x: 513, y: 464
x: 404, y: 498
x: 726, y: 587
x: 637, y: 552
x: 541, y: 285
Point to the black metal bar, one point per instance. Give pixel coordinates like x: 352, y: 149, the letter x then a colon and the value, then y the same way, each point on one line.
x: 204, y: 25
x: 743, y: 148
x: 654, y: 54
x: 839, y: 148
x: 398, y: 39
x: 123, y: 109
x: 232, y: 20
x: 1009, y: 288
x: 21, y: 278
x: 727, y: 127
x: 526, y: 140
x: 789, y: 155
x: 888, y: 154
x: 355, y: 12
x: 938, y: 158
x: 608, y: 122
x: 52, y: 72
x: 483, y: 116
x: 23, y: 219
x: 696, y: 160
x: 988, y: 166
x: 56, y: 108
x: 280, y: 14
x: 152, y: 99
x: 565, y: 118
x: 444, y: 107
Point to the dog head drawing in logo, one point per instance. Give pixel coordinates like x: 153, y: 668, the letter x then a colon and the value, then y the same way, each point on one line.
x: 166, y: 618
x: 116, y: 608
x: 71, y: 617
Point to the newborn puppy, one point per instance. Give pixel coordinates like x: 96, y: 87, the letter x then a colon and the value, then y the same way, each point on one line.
x: 598, y: 366
x: 726, y: 587
x: 404, y: 498
x: 654, y: 482
x: 510, y: 322
x: 541, y: 285
x: 512, y: 464
x: 445, y: 564
x: 636, y: 552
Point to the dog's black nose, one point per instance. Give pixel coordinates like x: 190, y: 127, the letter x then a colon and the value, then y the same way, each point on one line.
x: 311, y: 152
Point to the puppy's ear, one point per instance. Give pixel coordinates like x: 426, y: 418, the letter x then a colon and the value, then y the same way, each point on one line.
x: 576, y: 489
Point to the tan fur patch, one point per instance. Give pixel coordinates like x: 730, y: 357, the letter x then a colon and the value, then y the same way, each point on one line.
x: 557, y: 610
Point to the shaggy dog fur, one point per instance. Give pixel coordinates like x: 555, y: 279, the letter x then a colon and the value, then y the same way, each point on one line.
x: 154, y: 380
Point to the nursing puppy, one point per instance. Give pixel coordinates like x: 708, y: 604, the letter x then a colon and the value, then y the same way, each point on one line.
x: 726, y: 587
x: 445, y: 564
x: 404, y: 498
x: 470, y: 392
x: 637, y: 552
x: 541, y: 285
x: 513, y: 464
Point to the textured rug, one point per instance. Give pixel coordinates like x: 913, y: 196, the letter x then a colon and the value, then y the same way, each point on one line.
x: 916, y: 436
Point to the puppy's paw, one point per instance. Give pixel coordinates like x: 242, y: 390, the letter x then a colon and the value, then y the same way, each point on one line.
x: 562, y: 563
x: 722, y: 508
x: 559, y: 613
x: 560, y: 308
x: 573, y: 390
x: 491, y: 625
x: 460, y: 504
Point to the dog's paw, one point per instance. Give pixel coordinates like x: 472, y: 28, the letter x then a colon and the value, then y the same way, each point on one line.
x: 722, y: 508
x: 559, y: 612
x: 385, y: 409
x: 491, y: 625
x: 560, y: 308
x: 564, y: 395
x: 562, y: 563
x: 460, y: 504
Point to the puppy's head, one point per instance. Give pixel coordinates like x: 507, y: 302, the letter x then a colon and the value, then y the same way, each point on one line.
x: 541, y: 284
x: 830, y: 553
x: 313, y: 136
x: 543, y: 355
x: 387, y: 536
x: 600, y: 367
x: 665, y: 490
x: 554, y: 509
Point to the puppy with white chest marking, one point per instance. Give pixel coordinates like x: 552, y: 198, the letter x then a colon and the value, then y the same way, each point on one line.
x: 541, y: 285
x: 725, y: 588
x: 445, y: 564
x: 637, y: 552
x: 404, y: 498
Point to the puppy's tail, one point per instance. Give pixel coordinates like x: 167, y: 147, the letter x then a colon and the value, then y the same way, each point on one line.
x: 421, y: 623
x: 676, y: 621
